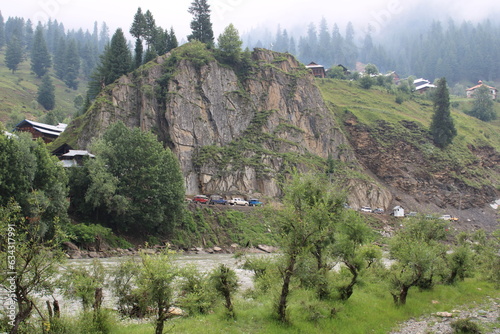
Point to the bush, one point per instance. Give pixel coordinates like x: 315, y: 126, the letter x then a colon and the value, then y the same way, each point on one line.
x: 465, y: 326
x: 196, y: 295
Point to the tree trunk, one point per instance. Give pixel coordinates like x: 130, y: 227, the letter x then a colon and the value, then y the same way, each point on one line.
x: 286, y: 287
x: 346, y: 292
x: 57, y: 310
x: 49, y: 309
x: 97, y: 299
x: 160, y: 322
x: 400, y: 299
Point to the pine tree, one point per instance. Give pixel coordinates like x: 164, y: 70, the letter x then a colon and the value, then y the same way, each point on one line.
x: 2, y: 31
x: 60, y: 58
x: 40, y: 57
x: 137, y: 30
x: 46, y: 93
x: 72, y: 63
x: 442, y: 127
x: 201, y: 26
x: 229, y: 44
x: 172, y: 42
x: 13, y: 54
x: 115, y: 62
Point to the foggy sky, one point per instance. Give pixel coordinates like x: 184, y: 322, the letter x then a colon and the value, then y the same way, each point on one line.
x: 248, y: 14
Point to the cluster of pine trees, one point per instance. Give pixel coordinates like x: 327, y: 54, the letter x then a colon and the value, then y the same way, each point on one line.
x: 464, y: 52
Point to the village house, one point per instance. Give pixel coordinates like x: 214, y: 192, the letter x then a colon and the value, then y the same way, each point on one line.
x: 493, y: 91
x: 47, y: 132
x: 70, y: 157
x: 317, y: 70
x: 422, y: 85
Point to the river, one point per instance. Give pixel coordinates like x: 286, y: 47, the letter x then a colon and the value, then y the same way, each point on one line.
x: 203, y: 262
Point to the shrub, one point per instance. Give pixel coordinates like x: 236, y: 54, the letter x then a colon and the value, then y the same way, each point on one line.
x: 465, y: 326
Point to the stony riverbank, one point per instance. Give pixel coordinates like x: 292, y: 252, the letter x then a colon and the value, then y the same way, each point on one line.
x: 486, y: 315
x: 74, y: 252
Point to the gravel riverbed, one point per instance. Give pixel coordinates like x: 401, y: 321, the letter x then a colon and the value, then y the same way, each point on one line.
x: 486, y: 315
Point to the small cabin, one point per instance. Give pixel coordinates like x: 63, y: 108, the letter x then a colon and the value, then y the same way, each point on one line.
x: 74, y: 158
x: 317, y: 70
x: 47, y: 132
x: 398, y: 211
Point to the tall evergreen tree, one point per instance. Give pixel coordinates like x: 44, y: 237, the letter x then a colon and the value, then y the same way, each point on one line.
x: 29, y: 34
x: 2, y: 31
x: 137, y: 30
x: 60, y: 58
x: 13, y: 54
x: 201, y: 26
x: 442, y: 127
x: 72, y: 63
x: 115, y: 62
x: 40, y: 57
x: 46, y: 93
x: 172, y: 42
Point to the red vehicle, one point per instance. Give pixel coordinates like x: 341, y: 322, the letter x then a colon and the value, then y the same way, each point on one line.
x: 200, y: 199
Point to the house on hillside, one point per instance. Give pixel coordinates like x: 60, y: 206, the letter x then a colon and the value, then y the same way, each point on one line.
x: 493, y: 91
x: 75, y: 158
x: 317, y: 70
x: 422, y: 85
x: 70, y: 157
x: 40, y: 130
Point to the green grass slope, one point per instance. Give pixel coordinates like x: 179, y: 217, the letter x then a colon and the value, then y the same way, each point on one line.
x: 376, y: 104
x: 18, y: 94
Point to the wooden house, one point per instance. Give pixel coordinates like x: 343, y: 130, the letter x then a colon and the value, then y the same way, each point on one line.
x: 317, y: 70
x: 40, y: 130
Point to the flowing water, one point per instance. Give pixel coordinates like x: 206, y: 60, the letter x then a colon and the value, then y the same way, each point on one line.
x: 203, y: 262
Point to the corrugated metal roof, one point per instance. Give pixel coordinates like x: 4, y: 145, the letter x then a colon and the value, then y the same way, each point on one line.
x: 74, y: 153
x: 55, y: 129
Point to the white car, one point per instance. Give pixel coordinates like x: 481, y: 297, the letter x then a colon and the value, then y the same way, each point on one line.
x: 365, y: 209
x: 238, y: 201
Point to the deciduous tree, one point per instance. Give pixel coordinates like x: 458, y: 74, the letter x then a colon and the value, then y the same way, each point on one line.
x: 135, y: 181
x: 482, y: 106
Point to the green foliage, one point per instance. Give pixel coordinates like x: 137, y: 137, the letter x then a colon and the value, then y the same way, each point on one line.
x: 465, y: 326
x: 197, y: 295
x: 201, y: 26
x: 46, y: 93
x: 135, y: 182
x: 365, y: 82
x: 31, y: 176
x: 229, y: 45
x: 13, y: 54
x: 71, y: 65
x: 40, y: 56
x: 482, y: 107
x: 418, y: 254
x: 442, y: 127
x: 32, y: 260
x: 123, y: 286
x: 80, y: 283
x: 225, y: 282
x: 371, y: 69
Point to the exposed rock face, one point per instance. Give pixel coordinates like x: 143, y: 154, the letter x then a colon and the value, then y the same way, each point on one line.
x: 231, y: 135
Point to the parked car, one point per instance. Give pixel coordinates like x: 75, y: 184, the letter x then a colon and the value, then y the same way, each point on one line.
x: 254, y: 202
x: 365, y: 209
x: 200, y: 199
x: 449, y: 218
x: 216, y: 199
x: 378, y: 211
x: 237, y: 201
x: 412, y: 214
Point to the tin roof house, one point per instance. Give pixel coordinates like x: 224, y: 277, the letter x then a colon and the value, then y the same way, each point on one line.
x: 40, y: 130
x: 493, y: 91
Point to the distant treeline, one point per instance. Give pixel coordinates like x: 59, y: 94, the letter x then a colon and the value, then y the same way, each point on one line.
x: 466, y: 52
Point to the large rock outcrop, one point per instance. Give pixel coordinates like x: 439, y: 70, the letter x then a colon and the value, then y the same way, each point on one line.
x: 232, y: 133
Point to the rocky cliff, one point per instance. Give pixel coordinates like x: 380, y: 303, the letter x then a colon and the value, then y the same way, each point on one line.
x: 234, y: 130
